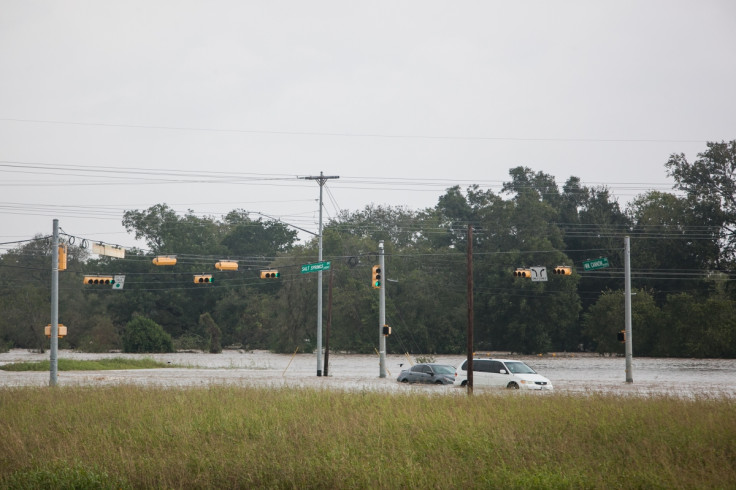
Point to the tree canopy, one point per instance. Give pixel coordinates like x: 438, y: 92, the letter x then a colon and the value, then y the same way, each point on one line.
x: 682, y: 268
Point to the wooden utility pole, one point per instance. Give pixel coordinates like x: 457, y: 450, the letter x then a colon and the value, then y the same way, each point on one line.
x: 329, y: 323
x: 470, y: 310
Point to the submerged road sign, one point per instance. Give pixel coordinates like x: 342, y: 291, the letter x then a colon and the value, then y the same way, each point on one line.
x: 591, y: 265
x: 317, y: 266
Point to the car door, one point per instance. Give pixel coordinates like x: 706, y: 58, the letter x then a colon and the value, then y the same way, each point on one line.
x: 495, y: 375
x: 480, y: 372
x: 427, y: 374
x: 418, y: 374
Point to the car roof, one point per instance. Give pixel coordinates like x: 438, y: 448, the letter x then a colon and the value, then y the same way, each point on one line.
x: 496, y: 359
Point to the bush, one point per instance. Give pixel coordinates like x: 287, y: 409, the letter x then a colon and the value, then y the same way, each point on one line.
x: 144, y: 335
x: 213, y: 332
x: 190, y: 342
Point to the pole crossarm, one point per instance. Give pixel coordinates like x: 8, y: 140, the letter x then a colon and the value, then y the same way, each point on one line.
x: 321, y: 179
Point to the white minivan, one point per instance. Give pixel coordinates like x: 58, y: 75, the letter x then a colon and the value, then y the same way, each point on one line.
x: 503, y: 373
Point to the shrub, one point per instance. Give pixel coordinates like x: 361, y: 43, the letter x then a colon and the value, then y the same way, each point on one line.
x: 213, y: 332
x: 144, y: 335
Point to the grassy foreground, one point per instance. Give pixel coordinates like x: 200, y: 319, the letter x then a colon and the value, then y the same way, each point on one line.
x: 225, y: 437
x: 96, y: 365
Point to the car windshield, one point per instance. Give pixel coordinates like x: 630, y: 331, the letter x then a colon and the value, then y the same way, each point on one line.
x: 440, y: 369
x: 518, y: 367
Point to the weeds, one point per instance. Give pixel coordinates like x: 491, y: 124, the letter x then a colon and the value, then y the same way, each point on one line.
x: 96, y: 365
x: 224, y: 436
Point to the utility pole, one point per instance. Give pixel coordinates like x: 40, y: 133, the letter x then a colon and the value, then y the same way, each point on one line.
x: 321, y: 179
x: 470, y: 310
x: 53, y: 356
x: 627, y: 290
x: 381, y: 314
x: 329, y: 322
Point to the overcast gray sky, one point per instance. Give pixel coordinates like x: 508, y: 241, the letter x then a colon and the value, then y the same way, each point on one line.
x: 211, y: 106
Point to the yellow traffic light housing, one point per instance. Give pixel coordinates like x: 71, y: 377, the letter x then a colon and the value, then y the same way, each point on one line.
x: 226, y: 265
x: 62, y: 330
x: 526, y: 273
x: 62, y: 257
x: 563, y: 270
x: 270, y: 274
x: 621, y: 336
x: 99, y: 280
x: 164, y: 260
x: 376, y: 277
x: 386, y: 330
x: 203, y: 279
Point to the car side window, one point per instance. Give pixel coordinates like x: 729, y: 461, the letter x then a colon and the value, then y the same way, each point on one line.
x: 416, y: 369
x: 480, y: 366
x: 496, y: 367
x: 426, y: 369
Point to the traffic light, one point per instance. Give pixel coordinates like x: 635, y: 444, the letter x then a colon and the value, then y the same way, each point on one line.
x: 203, y: 279
x: 62, y: 330
x: 386, y: 330
x: 62, y: 257
x: 523, y: 273
x: 226, y: 265
x: 621, y: 336
x: 99, y: 280
x: 376, y: 283
x: 270, y: 274
x: 164, y: 260
x: 562, y: 270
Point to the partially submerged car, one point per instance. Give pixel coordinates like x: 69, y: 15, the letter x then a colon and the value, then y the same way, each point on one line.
x: 432, y: 373
x: 503, y: 373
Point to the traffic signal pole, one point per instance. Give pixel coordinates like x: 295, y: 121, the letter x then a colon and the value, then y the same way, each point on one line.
x: 53, y: 356
x: 381, y: 314
x: 627, y: 290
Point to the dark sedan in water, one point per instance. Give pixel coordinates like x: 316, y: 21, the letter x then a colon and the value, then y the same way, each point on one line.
x: 441, y: 374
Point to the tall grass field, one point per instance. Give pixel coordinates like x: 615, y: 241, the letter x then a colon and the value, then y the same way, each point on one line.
x: 237, y: 437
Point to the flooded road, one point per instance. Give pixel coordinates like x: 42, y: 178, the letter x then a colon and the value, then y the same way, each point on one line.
x: 569, y: 373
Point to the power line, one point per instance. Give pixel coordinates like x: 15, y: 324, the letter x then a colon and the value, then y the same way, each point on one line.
x: 355, y: 135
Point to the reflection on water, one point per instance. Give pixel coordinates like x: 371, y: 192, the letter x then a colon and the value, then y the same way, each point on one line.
x: 568, y: 373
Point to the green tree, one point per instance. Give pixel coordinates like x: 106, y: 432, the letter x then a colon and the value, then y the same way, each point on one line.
x: 144, y: 335
x: 212, y: 332
x: 593, y: 225
x: 606, y: 318
x: 700, y: 327
x: 246, y: 237
x: 24, y: 294
x: 672, y: 241
x: 165, y: 232
x: 710, y: 183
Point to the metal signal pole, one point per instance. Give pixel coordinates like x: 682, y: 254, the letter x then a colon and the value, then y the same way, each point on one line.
x: 627, y: 290
x: 381, y: 314
x: 321, y: 179
x: 54, y: 354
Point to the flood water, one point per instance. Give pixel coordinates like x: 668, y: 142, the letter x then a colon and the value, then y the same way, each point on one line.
x: 569, y: 373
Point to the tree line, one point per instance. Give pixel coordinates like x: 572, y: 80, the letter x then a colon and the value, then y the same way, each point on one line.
x: 682, y: 261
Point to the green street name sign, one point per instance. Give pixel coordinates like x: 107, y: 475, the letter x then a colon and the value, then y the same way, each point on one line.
x: 317, y: 266
x: 591, y: 265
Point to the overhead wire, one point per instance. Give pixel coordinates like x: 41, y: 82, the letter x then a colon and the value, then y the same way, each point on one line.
x: 352, y: 134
